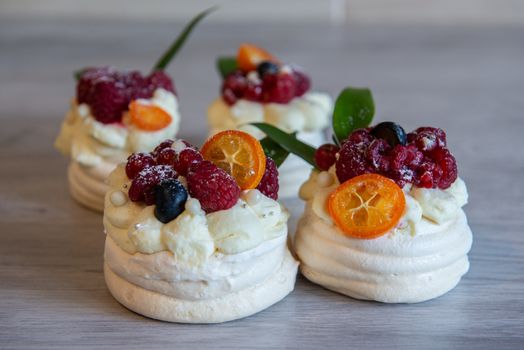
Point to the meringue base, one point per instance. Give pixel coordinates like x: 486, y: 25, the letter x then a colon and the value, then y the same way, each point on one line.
x: 227, y: 308
x: 85, y: 188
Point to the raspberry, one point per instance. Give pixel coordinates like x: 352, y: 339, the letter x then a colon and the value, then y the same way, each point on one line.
x: 352, y: 161
x: 137, y: 162
x: 229, y: 97
x: 212, y: 186
x: 302, y: 82
x: 282, y: 90
x: 143, y: 186
x: 159, y: 79
x: 427, y: 138
x: 253, y: 92
x: 376, y: 155
x: 161, y: 146
x: 87, y: 80
x: 166, y: 156
x: 428, y: 174
x: 268, y: 186
x: 107, y: 100
x: 185, y: 159
x: 404, y: 160
x: 325, y: 156
x: 447, y: 163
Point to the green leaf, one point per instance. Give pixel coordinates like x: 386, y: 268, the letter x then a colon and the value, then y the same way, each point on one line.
x: 354, y: 109
x: 182, y: 37
x: 288, y: 142
x: 274, y: 151
x: 226, y: 65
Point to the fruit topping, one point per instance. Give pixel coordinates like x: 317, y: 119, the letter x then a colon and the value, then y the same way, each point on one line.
x: 214, y: 188
x: 279, y: 88
x: 142, y: 187
x: 267, y: 67
x: 424, y: 161
x: 268, y: 186
x: 393, y: 133
x: 137, y: 162
x: 302, y: 82
x: 239, y: 154
x: 367, y: 206
x: 148, y: 117
x: 108, y: 92
x: 250, y: 56
x: 185, y: 159
x: 170, y: 198
x: 325, y: 156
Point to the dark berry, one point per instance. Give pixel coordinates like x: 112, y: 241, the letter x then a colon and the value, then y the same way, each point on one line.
x: 107, y: 100
x: 302, y: 82
x: 268, y: 186
x: 185, y: 159
x: 377, y: 155
x: 159, y: 79
x: 235, y: 82
x: 137, y: 162
x: 325, y: 156
x: 393, y: 133
x: 229, y: 96
x: 143, y: 186
x: 253, y: 92
x: 170, y: 198
x: 267, y: 67
x: 352, y: 161
x: 282, y: 90
x: 213, y: 187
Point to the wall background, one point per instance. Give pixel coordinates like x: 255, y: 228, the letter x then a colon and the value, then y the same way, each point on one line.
x: 434, y: 12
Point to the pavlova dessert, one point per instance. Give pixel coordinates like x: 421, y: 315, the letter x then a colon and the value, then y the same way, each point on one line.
x: 257, y: 87
x: 383, y: 218
x: 116, y: 113
x: 197, y: 236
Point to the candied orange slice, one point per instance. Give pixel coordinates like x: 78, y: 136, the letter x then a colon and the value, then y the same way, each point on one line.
x: 148, y: 117
x: 239, y: 154
x: 367, y: 206
x: 249, y: 56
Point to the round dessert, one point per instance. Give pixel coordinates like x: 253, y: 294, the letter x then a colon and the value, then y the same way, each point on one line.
x: 114, y: 114
x: 197, y: 236
x: 383, y: 218
x: 257, y: 87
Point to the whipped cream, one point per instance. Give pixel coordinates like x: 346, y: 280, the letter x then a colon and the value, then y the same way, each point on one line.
x: 423, y: 257
x: 308, y: 113
x: 198, y: 267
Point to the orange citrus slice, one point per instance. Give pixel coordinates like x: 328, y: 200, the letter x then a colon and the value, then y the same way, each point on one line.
x: 239, y: 154
x: 249, y: 56
x: 367, y: 206
x: 148, y: 117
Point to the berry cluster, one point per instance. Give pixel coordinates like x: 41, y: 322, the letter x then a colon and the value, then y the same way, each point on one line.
x: 269, y: 83
x: 420, y: 157
x: 152, y: 175
x: 108, y: 92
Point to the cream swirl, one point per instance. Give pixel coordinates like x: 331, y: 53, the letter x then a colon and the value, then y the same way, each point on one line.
x: 422, y: 258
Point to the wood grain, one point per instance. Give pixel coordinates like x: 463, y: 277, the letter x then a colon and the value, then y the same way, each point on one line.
x: 469, y: 81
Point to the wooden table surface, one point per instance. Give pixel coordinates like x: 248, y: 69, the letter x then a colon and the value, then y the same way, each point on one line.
x: 467, y: 80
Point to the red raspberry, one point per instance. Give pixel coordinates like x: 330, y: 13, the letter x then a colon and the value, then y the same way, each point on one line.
x: 376, y: 155
x: 159, y: 79
x: 143, y: 186
x: 253, y: 92
x: 268, y: 186
x: 161, y: 146
x: 427, y: 138
x: 447, y: 163
x: 352, y: 161
x: 326, y: 156
x: 212, y: 186
x: 229, y: 97
x: 166, y: 156
x: 88, y: 79
x: 428, y: 174
x: 302, y: 82
x: 404, y: 160
x: 233, y: 87
x: 108, y: 100
x: 137, y: 162
x: 282, y: 90
x: 185, y: 159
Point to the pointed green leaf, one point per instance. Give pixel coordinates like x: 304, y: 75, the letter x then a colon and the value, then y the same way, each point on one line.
x: 354, y: 109
x: 226, y: 65
x: 288, y: 142
x: 182, y: 37
x: 274, y: 151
